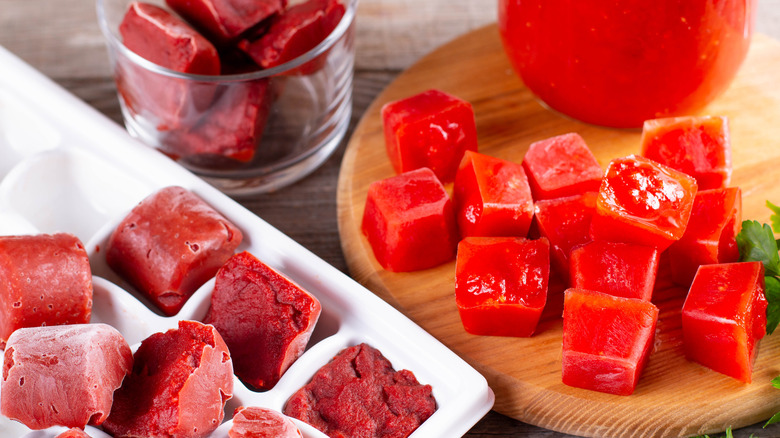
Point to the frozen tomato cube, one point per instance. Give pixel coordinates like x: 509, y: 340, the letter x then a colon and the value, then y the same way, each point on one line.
x: 409, y: 221
x: 561, y: 166
x: 697, y: 145
x: 501, y: 284
x: 63, y: 375
x: 257, y: 422
x: 169, y: 245
x: 492, y: 197
x: 643, y: 202
x: 73, y: 433
x: 724, y: 317
x: 44, y: 280
x: 606, y: 340
x: 710, y: 237
x: 619, y: 269
x: 180, y: 382
x: 565, y: 222
x: 431, y: 129
x: 265, y: 319
x: 294, y: 32
x: 223, y: 20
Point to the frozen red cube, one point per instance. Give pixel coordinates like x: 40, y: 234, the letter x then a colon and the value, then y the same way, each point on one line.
x: 606, y: 340
x: 501, y: 284
x: 561, y: 166
x: 643, y: 202
x: 724, y: 318
x: 258, y: 422
x: 169, y: 245
x: 700, y: 146
x: 491, y: 197
x: 619, y: 269
x: 711, y: 235
x: 431, y: 129
x: 565, y: 222
x: 45, y: 279
x: 73, y: 433
x: 180, y: 382
x: 224, y: 20
x: 409, y: 221
x: 265, y: 319
x: 63, y: 375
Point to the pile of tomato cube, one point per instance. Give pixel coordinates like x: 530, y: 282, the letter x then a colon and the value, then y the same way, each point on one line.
x: 512, y: 227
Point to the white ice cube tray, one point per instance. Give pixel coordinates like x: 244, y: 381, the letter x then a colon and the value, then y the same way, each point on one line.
x: 64, y: 167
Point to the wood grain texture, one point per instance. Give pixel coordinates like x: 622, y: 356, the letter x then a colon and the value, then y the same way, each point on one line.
x: 674, y: 397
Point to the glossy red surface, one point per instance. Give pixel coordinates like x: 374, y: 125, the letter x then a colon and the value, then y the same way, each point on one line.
x: 565, y: 222
x: 621, y: 63
x: 258, y: 422
x: 561, y: 166
x: 224, y: 20
x: 619, y: 269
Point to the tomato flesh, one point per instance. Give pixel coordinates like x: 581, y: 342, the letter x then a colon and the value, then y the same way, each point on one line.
x: 619, y: 269
x: 561, y: 166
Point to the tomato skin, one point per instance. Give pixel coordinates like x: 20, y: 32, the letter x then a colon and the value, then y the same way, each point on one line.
x: 619, y: 269
x: 561, y: 166
x: 621, y: 63
x: 724, y: 317
x: 501, y: 284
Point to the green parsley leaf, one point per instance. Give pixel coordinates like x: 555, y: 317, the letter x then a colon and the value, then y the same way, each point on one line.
x: 775, y: 418
x: 775, y: 218
x: 757, y: 244
x: 776, y: 382
x: 772, y: 292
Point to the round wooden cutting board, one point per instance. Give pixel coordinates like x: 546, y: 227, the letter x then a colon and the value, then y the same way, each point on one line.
x: 674, y: 397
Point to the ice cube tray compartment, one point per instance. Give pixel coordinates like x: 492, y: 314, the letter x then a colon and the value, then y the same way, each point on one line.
x: 84, y: 174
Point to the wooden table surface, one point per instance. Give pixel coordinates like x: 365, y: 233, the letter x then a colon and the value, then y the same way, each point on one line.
x: 61, y: 38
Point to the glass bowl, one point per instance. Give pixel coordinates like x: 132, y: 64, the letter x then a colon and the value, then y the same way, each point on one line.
x: 245, y: 133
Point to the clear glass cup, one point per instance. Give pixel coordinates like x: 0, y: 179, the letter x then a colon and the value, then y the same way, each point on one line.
x: 244, y: 133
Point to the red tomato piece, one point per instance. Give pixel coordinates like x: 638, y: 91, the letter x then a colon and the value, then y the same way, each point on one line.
x: 265, y: 319
x: 294, y: 32
x: 699, y: 146
x: 63, y: 375
x: 409, y: 221
x: 561, y: 166
x: 606, y: 340
x: 257, y: 422
x: 169, y: 245
x: 619, y: 269
x: 44, y: 280
x: 565, y: 222
x: 501, y: 284
x: 710, y: 237
x: 73, y: 433
x: 643, y: 202
x: 180, y: 382
x: 431, y: 129
x: 492, y: 197
x: 223, y: 20
x: 724, y: 317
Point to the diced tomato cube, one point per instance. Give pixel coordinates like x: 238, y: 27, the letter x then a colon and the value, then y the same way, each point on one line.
x: 565, y: 222
x: 501, y: 284
x: 699, y: 146
x: 561, y: 166
x: 431, y: 129
x: 711, y: 233
x: 643, y: 202
x: 492, y: 197
x: 619, y: 269
x: 224, y: 20
x: 410, y: 222
x: 606, y: 340
x: 724, y: 317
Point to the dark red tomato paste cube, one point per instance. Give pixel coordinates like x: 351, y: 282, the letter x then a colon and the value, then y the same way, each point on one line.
x: 44, y: 280
x: 257, y: 422
x: 561, y: 166
x: 223, y: 20
x: 63, y: 375
x: 409, y: 221
x: 710, y: 237
x: 565, y: 222
x: 619, y: 269
x: 180, y: 382
x: 294, y: 32
x: 501, y: 284
x: 431, y: 129
x: 643, y: 202
x: 697, y: 145
x: 492, y: 197
x: 606, y: 340
x: 169, y: 245
x: 724, y: 317
x: 265, y: 319
x: 359, y: 394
